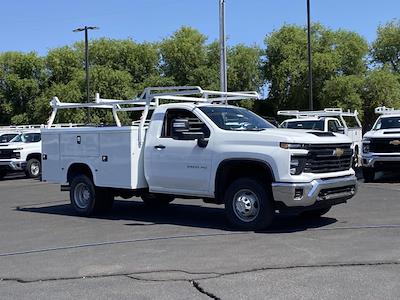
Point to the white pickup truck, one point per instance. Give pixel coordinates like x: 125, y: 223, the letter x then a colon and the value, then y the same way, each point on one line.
x: 328, y: 120
x: 22, y: 153
x: 199, y: 147
x: 381, y: 145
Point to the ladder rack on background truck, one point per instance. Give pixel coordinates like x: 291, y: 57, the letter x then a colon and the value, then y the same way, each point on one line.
x: 327, y: 112
x: 383, y: 110
x: 150, y: 99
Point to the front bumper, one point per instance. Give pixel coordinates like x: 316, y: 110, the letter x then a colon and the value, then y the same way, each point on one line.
x: 374, y: 160
x: 332, y: 190
x: 13, y: 165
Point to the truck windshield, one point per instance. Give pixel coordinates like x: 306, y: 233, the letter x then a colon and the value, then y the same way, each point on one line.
x: 26, y: 138
x: 315, y: 125
x: 387, y: 123
x: 235, y: 118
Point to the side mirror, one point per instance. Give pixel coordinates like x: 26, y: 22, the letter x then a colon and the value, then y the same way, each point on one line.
x: 340, y: 129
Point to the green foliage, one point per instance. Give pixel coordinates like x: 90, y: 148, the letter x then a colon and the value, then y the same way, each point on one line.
x: 121, y: 69
x: 182, y: 54
x: 335, y: 53
x: 344, y: 92
x: 386, y: 48
x: 382, y: 87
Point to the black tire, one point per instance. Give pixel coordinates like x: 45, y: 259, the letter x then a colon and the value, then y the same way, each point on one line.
x: 3, y: 173
x: 156, y: 200
x: 86, y: 199
x: 315, y: 213
x: 368, y: 174
x: 256, y: 211
x: 33, y: 168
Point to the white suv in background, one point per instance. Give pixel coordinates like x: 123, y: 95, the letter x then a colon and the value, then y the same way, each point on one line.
x: 22, y: 153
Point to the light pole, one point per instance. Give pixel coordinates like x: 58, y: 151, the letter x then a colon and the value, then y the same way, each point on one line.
x: 310, y: 94
x: 86, y: 28
x: 222, y: 43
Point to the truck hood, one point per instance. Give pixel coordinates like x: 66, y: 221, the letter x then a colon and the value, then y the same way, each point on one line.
x: 12, y: 145
x: 304, y: 136
x: 383, y: 133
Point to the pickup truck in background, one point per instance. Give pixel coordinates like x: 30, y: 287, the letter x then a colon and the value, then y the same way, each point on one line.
x: 22, y: 153
x: 199, y: 147
x: 328, y: 120
x: 381, y: 145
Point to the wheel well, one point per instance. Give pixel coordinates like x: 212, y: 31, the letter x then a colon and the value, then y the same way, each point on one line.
x: 34, y: 155
x: 230, y: 170
x: 78, y: 168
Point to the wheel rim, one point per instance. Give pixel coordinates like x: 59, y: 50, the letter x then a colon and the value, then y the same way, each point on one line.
x: 35, y: 168
x: 82, y: 195
x: 246, y: 205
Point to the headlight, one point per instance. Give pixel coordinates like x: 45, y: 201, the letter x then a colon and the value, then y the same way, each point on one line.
x: 292, y: 146
x: 296, y: 165
x: 366, y: 143
x: 16, y: 149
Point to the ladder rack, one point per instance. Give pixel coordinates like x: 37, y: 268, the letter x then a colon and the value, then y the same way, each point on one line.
x: 327, y: 112
x: 383, y: 110
x: 149, y: 99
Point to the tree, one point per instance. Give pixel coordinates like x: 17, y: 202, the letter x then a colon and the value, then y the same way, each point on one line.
x: 335, y: 53
x: 344, y: 92
x: 183, y: 53
x: 386, y: 48
x: 382, y: 88
x: 62, y: 64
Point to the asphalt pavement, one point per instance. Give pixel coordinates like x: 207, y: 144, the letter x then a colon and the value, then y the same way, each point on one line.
x: 188, y: 251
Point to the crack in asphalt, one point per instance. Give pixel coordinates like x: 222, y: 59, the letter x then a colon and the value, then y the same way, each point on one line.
x: 197, y: 286
x: 207, y: 275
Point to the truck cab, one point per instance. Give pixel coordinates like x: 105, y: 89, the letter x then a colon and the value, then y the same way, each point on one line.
x: 381, y: 145
x: 199, y: 147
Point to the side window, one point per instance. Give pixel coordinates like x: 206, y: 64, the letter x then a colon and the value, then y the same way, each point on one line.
x: 195, y: 124
x: 332, y: 126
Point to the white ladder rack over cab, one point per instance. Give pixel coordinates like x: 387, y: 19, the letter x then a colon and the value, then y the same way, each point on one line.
x: 383, y: 110
x: 149, y: 100
x: 327, y: 112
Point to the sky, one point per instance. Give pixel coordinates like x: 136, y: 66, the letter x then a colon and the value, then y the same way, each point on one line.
x: 40, y: 25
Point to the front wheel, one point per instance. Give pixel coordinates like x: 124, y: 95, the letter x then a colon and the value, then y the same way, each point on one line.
x: 368, y: 174
x: 33, y: 167
x: 249, y: 204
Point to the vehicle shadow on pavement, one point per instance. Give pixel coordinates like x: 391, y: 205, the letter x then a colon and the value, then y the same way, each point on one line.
x: 387, y: 177
x: 188, y: 215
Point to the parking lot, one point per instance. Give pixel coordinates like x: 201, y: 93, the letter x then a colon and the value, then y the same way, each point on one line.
x: 188, y: 251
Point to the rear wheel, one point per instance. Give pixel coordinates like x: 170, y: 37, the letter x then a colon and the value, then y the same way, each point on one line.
x: 368, y: 174
x: 249, y: 204
x: 155, y: 200
x: 316, y: 213
x: 33, y: 168
x: 87, y: 199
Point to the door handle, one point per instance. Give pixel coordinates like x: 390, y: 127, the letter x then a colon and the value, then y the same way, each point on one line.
x: 159, y: 147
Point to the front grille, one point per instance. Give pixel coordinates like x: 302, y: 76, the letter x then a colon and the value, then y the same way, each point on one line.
x: 7, y: 154
x: 328, y: 158
x: 384, y: 145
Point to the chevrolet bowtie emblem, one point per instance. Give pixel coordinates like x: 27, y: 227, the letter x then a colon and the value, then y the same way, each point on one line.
x: 338, y: 152
x: 394, y: 142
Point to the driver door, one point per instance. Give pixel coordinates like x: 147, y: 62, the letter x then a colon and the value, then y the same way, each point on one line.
x: 180, y: 166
